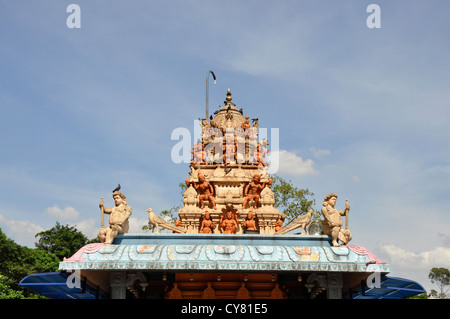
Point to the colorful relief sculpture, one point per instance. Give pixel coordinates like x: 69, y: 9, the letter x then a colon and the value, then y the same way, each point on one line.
x: 207, y: 224
x: 118, y: 218
x: 253, y: 190
x: 249, y: 224
x: 229, y: 149
x: 204, y: 189
x: 229, y: 224
x: 198, y: 154
x: 177, y: 224
x: 259, y: 155
x: 332, y: 224
x: 278, y: 225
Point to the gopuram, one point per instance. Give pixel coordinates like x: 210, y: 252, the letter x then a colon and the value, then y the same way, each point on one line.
x: 229, y: 241
x: 228, y: 178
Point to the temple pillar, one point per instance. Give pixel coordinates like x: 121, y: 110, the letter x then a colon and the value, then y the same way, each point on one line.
x: 118, y: 284
x: 334, y: 285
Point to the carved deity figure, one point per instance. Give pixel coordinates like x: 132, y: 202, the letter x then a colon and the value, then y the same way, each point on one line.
x: 118, y: 218
x: 253, y: 190
x: 204, y: 189
x: 246, y: 125
x: 207, y: 224
x: 198, y: 156
x: 229, y: 224
x: 332, y: 225
x: 249, y: 223
x: 259, y: 156
x: 278, y: 225
x: 177, y: 224
x: 229, y: 149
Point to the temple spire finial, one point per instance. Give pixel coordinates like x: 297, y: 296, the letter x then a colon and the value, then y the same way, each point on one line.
x: 229, y: 98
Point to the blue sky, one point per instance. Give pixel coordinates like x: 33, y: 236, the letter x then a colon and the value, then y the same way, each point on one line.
x: 361, y: 112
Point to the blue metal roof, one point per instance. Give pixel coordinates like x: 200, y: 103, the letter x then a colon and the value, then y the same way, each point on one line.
x: 53, y: 285
x: 390, y: 288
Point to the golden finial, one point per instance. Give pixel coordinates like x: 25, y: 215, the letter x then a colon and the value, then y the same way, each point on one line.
x: 229, y: 98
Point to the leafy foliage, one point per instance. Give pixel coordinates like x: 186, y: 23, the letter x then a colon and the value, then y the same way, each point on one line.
x: 440, y: 277
x: 17, y: 262
x: 63, y: 241
x: 291, y: 200
x: 6, y: 290
x: 419, y: 296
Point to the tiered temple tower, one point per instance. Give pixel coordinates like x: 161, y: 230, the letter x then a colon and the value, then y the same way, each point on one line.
x: 229, y: 156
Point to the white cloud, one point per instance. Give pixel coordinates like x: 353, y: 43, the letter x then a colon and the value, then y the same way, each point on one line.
x: 22, y: 231
x: 408, y: 260
x: 89, y: 227
x: 415, y: 265
x: 136, y: 224
x: 289, y: 163
x: 66, y: 213
x: 319, y: 153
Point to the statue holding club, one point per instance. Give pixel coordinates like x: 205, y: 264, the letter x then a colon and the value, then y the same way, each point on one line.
x: 332, y: 224
x: 118, y: 217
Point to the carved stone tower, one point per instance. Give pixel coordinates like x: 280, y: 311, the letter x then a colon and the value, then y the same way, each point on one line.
x: 223, y: 169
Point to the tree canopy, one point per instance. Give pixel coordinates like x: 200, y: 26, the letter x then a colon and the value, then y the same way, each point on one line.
x: 17, y: 262
x: 440, y: 277
x: 63, y: 241
x: 291, y: 200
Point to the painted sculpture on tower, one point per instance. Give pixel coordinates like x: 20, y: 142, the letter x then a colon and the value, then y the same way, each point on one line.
x: 228, y: 224
x: 249, y: 225
x: 118, y: 217
x: 332, y: 224
x: 207, y: 224
x: 204, y: 189
x: 253, y: 190
x: 198, y: 154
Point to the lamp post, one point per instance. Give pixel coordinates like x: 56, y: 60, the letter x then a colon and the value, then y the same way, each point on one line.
x: 207, y: 91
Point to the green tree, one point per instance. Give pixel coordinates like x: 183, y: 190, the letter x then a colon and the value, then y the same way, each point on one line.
x: 17, y: 262
x: 440, y: 277
x: 291, y: 200
x: 420, y: 296
x: 6, y: 290
x: 63, y: 241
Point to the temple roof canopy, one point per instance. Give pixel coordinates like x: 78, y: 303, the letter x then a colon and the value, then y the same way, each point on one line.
x: 203, y: 252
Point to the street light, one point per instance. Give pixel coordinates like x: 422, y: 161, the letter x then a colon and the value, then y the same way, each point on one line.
x: 207, y: 91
